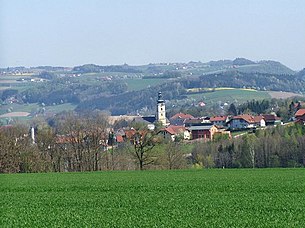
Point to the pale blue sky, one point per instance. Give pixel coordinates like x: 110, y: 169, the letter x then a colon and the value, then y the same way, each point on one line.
x: 75, y: 32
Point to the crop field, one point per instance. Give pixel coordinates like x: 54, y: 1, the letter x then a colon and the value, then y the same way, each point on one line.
x: 230, y: 95
x: 187, y: 198
x: 283, y: 95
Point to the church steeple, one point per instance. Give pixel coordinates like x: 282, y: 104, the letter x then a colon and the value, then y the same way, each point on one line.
x: 161, y: 114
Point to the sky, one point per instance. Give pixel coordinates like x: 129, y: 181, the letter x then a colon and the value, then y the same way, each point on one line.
x: 106, y: 32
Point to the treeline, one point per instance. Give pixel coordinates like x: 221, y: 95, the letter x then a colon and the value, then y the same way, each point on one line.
x: 92, y: 68
x: 71, y: 142
x: 274, y: 147
x: 75, y: 143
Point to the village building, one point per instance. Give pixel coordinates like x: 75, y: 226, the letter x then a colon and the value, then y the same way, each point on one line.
x: 246, y: 121
x: 174, y: 132
x: 243, y: 121
x: 205, y: 132
x: 272, y: 119
x: 151, y: 120
x: 259, y: 121
x: 300, y: 116
x: 201, y: 128
x: 179, y: 118
x: 197, y: 122
x: 220, y: 121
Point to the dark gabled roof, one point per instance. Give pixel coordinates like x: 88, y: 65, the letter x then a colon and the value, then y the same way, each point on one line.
x: 150, y: 119
x: 271, y: 117
x: 203, y: 127
x: 196, y: 121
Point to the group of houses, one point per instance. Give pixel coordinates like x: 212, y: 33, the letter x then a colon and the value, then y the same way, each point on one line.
x: 187, y: 127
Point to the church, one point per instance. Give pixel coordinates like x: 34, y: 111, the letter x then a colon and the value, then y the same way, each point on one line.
x: 160, y: 116
x: 151, y: 120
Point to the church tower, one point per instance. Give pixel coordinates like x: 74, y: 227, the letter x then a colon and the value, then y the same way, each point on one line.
x: 161, y: 110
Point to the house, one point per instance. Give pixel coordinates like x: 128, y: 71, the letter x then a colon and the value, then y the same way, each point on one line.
x: 259, y: 121
x: 300, y: 116
x: 243, y: 121
x: 173, y: 132
x: 219, y: 120
x: 272, y: 119
x: 205, y: 132
x: 179, y: 118
x: 197, y: 122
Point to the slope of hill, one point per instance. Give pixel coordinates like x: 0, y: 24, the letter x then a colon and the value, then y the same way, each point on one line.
x: 121, y: 88
x: 266, y: 67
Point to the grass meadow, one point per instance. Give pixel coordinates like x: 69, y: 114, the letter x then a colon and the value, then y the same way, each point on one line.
x: 185, y: 198
x: 230, y: 95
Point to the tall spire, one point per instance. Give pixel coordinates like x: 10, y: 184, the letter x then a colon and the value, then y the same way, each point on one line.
x: 161, y: 114
x: 160, y: 97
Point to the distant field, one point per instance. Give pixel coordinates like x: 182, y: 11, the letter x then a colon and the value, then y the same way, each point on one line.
x: 15, y: 114
x: 230, y: 95
x: 138, y: 84
x: 60, y: 108
x: 19, y: 107
x: 29, y: 108
x: 190, y: 198
x: 283, y: 95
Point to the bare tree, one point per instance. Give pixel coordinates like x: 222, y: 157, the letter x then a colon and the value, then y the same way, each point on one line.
x: 174, y: 156
x: 143, y: 143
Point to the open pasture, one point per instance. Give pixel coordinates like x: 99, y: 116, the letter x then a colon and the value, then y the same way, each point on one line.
x: 230, y: 95
x: 187, y: 198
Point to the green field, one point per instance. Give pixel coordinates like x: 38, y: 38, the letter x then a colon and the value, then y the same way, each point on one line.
x: 188, y: 198
x: 230, y: 95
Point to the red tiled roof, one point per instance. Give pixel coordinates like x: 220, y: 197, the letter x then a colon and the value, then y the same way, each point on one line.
x: 300, y: 112
x: 119, y: 138
x: 130, y: 133
x: 257, y: 119
x: 218, y: 118
x: 174, y: 130
x: 246, y: 117
x: 181, y: 116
